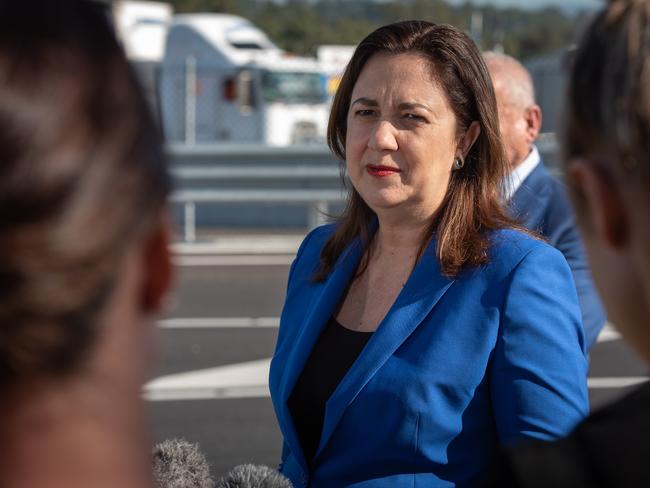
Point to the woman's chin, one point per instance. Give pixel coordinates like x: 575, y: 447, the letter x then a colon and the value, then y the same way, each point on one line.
x: 384, y: 199
x: 384, y: 204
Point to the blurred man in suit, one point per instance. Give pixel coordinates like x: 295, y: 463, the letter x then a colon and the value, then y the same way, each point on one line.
x: 538, y: 200
x: 606, y: 142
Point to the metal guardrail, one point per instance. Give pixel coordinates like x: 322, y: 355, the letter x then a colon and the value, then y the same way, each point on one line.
x: 253, y: 163
x: 252, y: 153
x: 319, y: 200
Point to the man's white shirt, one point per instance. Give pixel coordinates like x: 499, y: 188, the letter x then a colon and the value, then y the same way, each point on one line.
x: 520, y: 173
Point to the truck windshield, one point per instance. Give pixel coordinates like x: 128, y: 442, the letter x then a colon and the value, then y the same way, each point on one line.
x: 289, y: 87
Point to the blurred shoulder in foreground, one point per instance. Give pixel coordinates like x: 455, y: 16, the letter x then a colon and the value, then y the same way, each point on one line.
x: 84, y: 265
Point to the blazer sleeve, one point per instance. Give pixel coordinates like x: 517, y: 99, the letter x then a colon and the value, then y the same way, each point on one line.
x: 539, y: 370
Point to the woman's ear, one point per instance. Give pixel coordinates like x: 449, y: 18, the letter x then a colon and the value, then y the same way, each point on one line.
x: 605, y: 213
x: 157, y: 265
x: 469, y: 138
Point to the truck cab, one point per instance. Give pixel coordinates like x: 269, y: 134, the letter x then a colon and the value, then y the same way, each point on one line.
x: 223, y: 80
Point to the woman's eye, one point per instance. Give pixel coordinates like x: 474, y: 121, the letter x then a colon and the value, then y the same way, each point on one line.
x: 415, y: 117
x: 364, y: 112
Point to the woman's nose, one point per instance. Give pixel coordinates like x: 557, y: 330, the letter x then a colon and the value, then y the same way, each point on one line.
x: 383, y: 137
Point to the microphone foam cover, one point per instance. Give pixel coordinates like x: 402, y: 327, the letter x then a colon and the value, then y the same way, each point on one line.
x: 254, y: 476
x: 180, y: 464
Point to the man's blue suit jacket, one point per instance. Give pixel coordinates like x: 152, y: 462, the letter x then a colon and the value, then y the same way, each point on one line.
x: 541, y: 204
x: 455, y: 367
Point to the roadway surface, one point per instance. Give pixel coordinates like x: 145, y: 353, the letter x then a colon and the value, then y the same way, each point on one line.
x: 210, y: 386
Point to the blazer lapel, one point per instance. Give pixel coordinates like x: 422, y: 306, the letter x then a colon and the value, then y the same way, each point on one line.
x: 423, y: 290
x: 316, y: 317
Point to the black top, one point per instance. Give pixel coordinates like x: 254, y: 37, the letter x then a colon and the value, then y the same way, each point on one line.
x: 335, y: 351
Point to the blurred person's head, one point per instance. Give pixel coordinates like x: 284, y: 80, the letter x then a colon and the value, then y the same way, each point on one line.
x: 83, y: 237
x: 435, y: 119
x: 520, y: 118
x: 606, y: 148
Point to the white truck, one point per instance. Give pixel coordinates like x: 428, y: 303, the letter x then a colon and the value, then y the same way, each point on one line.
x: 333, y: 60
x: 223, y: 80
x: 142, y: 29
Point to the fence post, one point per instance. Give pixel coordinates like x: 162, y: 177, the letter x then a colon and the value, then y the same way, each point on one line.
x: 190, y: 100
x: 190, y: 222
x: 317, y: 214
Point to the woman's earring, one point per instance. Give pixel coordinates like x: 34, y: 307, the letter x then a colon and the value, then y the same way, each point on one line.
x: 458, y: 163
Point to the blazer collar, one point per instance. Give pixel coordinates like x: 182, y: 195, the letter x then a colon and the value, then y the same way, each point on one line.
x: 422, y: 291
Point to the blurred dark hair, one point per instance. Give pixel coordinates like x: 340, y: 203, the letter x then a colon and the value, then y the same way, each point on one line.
x: 82, y: 175
x: 472, y: 205
x: 608, y: 104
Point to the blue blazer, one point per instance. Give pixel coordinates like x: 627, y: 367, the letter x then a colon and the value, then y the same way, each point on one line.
x: 455, y: 367
x: 541, y: 204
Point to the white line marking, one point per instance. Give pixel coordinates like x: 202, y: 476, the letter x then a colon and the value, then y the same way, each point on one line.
x: 218, y: 322
x: 206, y: 393
x: 606, y: 335
x: 234, y: 260
x: 609, y: 333
x: 250, y: 380
x: 615, y: 382
x: 242, y: 380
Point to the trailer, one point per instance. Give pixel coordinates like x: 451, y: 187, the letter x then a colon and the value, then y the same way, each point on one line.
x: 223, y: 80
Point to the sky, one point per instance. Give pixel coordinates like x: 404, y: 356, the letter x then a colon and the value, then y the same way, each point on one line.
x: 571, y: 5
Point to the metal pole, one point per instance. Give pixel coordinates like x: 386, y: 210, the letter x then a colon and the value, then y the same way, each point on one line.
x: 190, y: 100
x: 477, y: 27
x: 317, y: 214
x: 190, y: 222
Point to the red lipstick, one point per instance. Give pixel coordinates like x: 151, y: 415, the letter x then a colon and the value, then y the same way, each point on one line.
x: 381, y: 171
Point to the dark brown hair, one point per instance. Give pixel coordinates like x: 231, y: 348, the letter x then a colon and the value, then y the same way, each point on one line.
x: 608, y: 103
x: 472, y: 205
x: 82, y: 175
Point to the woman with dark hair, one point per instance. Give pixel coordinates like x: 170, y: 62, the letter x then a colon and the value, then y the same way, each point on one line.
x: 83, y: 250
x: 422, y: 328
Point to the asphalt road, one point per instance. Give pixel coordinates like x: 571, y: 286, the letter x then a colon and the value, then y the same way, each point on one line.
x: 230, y: 431
x: 234, y: 428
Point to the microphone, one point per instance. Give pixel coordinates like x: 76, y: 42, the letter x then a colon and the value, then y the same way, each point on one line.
x: 180, y: 464
x: 253, y: 476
